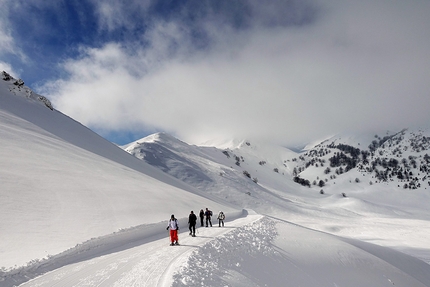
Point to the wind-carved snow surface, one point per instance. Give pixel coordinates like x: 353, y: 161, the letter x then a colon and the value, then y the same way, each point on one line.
x: 272, y: 252
x: 224, y: 261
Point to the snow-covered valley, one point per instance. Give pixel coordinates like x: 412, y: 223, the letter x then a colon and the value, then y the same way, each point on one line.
x: 78, y: 210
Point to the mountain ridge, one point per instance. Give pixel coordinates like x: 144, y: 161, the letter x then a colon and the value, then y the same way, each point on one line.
x: 377, y: 158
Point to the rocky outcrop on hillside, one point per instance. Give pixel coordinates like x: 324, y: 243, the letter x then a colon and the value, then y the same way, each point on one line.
x: 17, y: 87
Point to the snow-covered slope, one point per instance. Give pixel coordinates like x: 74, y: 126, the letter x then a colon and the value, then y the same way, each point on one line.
x: 252, y: 251
x: 263, y: 177
x: 242, y: 173
x: 83, y: 212
x: 62, y: 184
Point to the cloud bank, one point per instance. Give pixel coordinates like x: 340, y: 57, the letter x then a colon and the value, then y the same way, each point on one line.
x: 283, y: 70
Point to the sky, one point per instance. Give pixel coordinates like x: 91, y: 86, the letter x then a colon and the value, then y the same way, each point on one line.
x: 287, y: 71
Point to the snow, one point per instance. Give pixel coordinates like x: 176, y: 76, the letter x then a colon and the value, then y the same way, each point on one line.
x: 80, y: 211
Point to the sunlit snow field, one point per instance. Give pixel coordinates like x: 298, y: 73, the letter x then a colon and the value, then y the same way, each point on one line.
x: 79, y: 211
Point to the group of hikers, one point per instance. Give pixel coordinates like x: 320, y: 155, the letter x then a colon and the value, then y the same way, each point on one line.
x: 192, y: 221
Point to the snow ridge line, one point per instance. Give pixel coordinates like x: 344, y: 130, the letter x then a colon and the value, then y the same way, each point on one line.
x: 95, y: 247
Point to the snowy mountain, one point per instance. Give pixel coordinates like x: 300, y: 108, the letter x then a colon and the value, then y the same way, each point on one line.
x: 242, y: 172
x: 399, y: 160
x: 62, y: 184
x: 78, y: 210
x: 264, y: 177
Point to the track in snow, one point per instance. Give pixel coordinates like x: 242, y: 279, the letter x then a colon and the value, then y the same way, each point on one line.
x: 151, y: 264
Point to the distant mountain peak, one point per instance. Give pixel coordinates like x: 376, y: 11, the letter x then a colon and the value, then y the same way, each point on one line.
x: 399, y: 158
x: 161, y: 137
x: 227, y: 143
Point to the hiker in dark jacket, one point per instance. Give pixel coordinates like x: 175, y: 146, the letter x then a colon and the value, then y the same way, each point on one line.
x: 202, y: 215
x: 192, y: 219
x: 208, y: 215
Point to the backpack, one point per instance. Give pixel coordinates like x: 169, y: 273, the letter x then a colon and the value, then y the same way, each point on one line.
x: 221, y: 215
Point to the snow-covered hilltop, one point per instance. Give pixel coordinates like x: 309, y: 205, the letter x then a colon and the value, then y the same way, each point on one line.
x: 242, y: 174
x: 17, y: 87
x: 397, y: 159
x: 400, y: 159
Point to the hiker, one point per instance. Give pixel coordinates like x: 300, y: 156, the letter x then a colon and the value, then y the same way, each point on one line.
x: 202, y: 215
x: 208, y: 215
x: 174, y: 228
x: 192, y: 219
x: 221, y: 217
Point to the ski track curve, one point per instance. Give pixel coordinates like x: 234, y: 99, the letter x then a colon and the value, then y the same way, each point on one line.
x: 152, y: 264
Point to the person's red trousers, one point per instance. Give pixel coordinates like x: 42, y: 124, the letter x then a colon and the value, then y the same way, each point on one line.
x: 173, y: 235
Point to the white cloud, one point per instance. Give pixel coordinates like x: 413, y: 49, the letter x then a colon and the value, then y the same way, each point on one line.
x: 361, y: 65
x: 6, y: 40
x: 8, y: 45
x: 8, y: 68
x: 112, y: 14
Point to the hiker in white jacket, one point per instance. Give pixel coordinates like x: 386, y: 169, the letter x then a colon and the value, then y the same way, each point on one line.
x: 221, y: 217
x: 174, y: 228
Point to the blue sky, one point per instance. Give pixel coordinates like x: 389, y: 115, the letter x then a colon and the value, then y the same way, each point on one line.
x: 288, y: 71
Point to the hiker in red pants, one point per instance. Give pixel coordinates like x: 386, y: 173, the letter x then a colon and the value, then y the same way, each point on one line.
x: 174, y: 228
